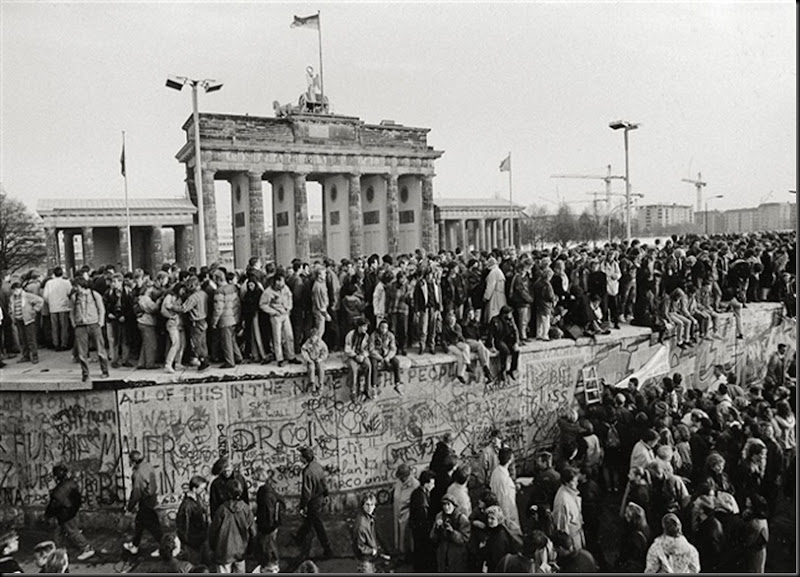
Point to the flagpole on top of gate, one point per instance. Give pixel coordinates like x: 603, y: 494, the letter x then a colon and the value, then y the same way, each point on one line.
x: 127, y: 206
x: 321, y: 76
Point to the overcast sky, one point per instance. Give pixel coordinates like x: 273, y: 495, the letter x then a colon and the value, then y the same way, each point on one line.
x: 714, y: 86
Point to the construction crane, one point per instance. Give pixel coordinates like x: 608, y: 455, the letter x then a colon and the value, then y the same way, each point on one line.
x: 607, y: 178
x: 698, y: 184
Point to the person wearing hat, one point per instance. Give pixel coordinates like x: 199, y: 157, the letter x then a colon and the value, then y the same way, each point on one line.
x: 404, y: 486
x: 505, y: 338
x: 494, y: 296
x: 450, y: 535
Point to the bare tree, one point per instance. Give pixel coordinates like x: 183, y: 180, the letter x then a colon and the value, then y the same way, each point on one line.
x: 534, y: 227
x: 564, y: 227
x: 22, y: 242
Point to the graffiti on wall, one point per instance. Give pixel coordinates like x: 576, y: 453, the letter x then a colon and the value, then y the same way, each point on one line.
x: 40, y: 430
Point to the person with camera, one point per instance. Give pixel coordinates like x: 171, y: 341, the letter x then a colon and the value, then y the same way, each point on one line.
x: 450, y: 534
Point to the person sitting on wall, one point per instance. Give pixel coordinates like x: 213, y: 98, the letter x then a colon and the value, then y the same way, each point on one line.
x: 314, y: 352
x: 383, y: 356
x: 504, y: 335
x: 357, y: 348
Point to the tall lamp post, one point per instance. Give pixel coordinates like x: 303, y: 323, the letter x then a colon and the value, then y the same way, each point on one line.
x: 177, y: 83
x: 626, y: 127
x: 706, y: 218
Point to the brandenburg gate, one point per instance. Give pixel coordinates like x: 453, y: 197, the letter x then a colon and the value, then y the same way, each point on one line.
x: 376, y: 180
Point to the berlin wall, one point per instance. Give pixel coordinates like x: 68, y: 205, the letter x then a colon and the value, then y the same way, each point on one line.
x: 181, y: 428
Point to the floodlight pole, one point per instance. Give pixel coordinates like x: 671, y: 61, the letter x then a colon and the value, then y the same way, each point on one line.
x: 198, y: 178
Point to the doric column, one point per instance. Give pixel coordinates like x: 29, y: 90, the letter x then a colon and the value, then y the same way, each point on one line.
x: 464, y: 235
x: 123, y: 247
x: 356, y: 218
x: 256, y: 202
x: 87, y: 234
x: 428, y: 240
x: 392, y: 214
x: 156, y: 249
x: 482, y: 234
x: 51, y: 244
x: 301, y: 216
x: 69, y: 252
x: 184, y: 245
x: 210, y: 217
x: 441, y: 231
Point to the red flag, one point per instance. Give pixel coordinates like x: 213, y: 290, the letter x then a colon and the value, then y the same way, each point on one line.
x: 307, y: 22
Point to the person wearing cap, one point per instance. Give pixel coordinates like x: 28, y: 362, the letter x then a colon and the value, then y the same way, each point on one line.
x: 494, y: 296
x: 357, y: 350
x: 671, y: 552
x: 65, y: 502
x: 23, y: 308
x: 404, y: 486
x: 504, y: 336
x: 450, y: 534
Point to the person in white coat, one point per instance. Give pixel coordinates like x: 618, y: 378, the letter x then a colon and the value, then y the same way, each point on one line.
x: 403, y: 487
x: 494, y: 297
x: 567, y: 513
x: 504, y: 488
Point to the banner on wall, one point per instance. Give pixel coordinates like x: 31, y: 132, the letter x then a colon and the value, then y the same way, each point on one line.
x: 656, y: 366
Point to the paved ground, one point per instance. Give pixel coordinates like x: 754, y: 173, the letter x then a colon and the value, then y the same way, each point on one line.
x: 111, y: 558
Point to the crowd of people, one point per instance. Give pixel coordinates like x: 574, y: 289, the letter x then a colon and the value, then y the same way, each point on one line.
x: 697, y: 474
x: 373, y: 309
x: 694, y: 477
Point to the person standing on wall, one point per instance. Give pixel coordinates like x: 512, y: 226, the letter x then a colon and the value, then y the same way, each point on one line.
x: 65, y: 502
x: 313, y: 497
x: 56, y: 294
x: 23, y: 308
x: 88, y: 316
x: 144, y: 494
x: 196, y: 307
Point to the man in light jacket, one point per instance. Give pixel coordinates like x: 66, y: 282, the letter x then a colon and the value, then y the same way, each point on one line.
x: 277, y: 302
x: 226, y: 318
x: 567, y: 513
x: 88, y: 316
x: 56, y: 294
x: 23, y: 308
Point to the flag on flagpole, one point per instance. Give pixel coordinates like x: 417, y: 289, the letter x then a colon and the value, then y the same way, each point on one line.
x: 122, y: 160
x: 505, y: 166
x: 307, y: 22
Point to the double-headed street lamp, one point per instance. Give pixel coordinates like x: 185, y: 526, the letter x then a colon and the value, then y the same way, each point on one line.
x: 626, y: 126
x: 177, y: 83
x: 706, y: 219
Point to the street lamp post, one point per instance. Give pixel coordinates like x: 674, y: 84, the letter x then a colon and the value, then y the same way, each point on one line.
x: 626, y: 127
x: 706, y: 215
x: 177, y: 83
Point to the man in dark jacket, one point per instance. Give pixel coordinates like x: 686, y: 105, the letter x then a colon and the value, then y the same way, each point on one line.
x: 191, y: 522
x: 268, y: 520
x: 421, y: 522
x: 231, y: 529
x: 503, y: 332
x: 223, y: 469
x: 313, y: 498
x: 365, y: 543
x: 144, y: 488
x: 65, y: 502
